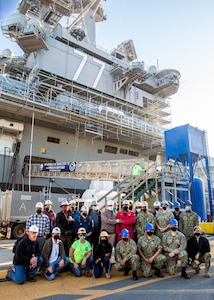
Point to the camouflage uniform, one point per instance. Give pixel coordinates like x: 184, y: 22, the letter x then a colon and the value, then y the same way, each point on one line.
x: 171, y: 243
x: 149, y: 248
x: 163, y: 220
x: 142, y: 220
x: 128, y: 252
x: 188, y: 220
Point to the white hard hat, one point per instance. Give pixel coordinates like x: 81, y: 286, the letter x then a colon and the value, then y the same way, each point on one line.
x: 33, y: 228
x: 84, y: 208
x: 144, y: 203
x: 64, y: 202
x: 39, y: 205
x: 72, y: 202
x: 48, y: 202
x: 157, y: 203
x: 110, y: 202
x: 56, y: 230
x: 125, y: 201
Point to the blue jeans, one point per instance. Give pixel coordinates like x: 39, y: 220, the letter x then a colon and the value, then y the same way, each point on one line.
x: 56, y: 268
x: 98, y: 268
x: 78, y: 271
x: 21, y: 271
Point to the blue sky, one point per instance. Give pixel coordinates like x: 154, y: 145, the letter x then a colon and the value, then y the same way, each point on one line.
x: 176, y: 34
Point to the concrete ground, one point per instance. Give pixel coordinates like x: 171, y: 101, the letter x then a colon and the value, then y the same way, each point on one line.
x: 66, y: 286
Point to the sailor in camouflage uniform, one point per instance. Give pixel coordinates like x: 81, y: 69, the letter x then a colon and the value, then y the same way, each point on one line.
x: 188, y: 220
x: 126, y: 255
x: 174, y: 246
x: 163, y: 218
x: 150, y: 248
x: 143, y: 218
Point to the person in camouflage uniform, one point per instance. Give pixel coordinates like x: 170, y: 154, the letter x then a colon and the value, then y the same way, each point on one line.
x: 188, y: 220
x: 162, y: 219
x: 198, y: 249
x: 143, y: 218
x: 126, y: 255
x: 150, y: 248
x: 174, y: 246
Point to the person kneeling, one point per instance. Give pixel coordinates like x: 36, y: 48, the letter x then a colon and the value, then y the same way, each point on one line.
x: 81, y: 255
x: 102, y: 256
x: 53, y: 254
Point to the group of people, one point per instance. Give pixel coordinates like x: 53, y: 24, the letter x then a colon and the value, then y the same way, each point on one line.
x: 84, y: 241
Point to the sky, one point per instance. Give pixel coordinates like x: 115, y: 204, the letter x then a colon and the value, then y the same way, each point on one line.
x: 170, y: 34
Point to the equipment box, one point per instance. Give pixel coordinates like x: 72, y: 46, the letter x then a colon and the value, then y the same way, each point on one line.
x: 207, y: 227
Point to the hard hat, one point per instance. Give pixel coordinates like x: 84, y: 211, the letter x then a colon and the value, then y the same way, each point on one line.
x: 149, y: 226
x: 94, y: 202
x: 138, y: 204
x: 124, y: 232
x: 144, y: 203
x: 176, y: 203
x: 110, y: 202
x: 81, y: 230
x: 48, y: 202
x: 84, y: 208
x: 39, y: 205
x: 64, y: 202
x: 165, y: 202
x: 173, y: 222
x: 188, y: 202
x: 33, y: 228
x: 125, y: 202
x: 72, y: 202
x: 56, y: 230
x: 103, y: 234
x: 157, y: 203
x: 137, y: 163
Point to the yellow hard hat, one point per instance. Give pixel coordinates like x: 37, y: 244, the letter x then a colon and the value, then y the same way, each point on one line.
x: 103, y: 233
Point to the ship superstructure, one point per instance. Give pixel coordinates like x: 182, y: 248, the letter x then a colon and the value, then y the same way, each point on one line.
x: 65, y: 99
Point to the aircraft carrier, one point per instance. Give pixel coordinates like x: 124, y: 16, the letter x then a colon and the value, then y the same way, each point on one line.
x: 64, y: 99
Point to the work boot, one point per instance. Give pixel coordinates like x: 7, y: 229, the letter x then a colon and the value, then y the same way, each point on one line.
x: 184, y: 274
x: 197, y: 271
x: 126, y: 271
x: 134, y: 275
x: 207, y: 273
x: 158, y: 273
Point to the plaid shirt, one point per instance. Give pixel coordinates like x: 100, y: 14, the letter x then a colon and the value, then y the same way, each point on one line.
x: 42, y: 222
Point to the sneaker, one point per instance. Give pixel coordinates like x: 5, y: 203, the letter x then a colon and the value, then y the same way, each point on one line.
x: 31, y: 278
x: 87, y: 274
x: 108, y: 275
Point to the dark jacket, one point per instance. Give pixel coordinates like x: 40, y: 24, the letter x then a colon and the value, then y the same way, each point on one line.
x: 100, y: 251
x: 67, y: 227
x: 25, y: 249
x: 47, y: 249
x: 194, y: 247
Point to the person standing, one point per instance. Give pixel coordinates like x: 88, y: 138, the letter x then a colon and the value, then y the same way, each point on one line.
x: 176, y: 212
x: 126, y: 255
x: 27, y: 258
x: 109, y: 221
x: 150, y: 250
x: 48, y: 211
x: 137, y: 170
x: 163, y: 218
x: 94, y: 213
x: 174, y: 246
x: 66, y: 224
x: 188, y: 220
x: 42, y: 222
x: 53, y: 254
x: 143, y: 218
x: 128, y: 220
x: 198, y: 249
x: 85, y: 221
